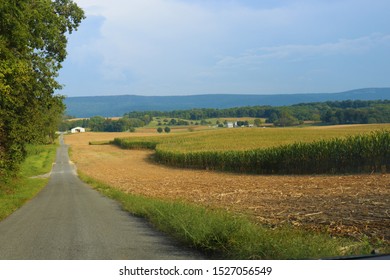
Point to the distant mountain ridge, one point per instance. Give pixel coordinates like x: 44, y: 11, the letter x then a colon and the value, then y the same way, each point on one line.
x: 117, y: 105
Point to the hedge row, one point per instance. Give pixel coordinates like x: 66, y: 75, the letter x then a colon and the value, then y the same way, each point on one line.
x: 133, y: 145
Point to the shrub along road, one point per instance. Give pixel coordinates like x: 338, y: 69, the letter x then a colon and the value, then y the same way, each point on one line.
x: 69, y: 220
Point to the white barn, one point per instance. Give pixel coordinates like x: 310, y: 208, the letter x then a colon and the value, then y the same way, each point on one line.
x: 77, y: 129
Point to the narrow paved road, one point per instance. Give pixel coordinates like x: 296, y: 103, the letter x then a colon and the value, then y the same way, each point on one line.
x: 69, y: 220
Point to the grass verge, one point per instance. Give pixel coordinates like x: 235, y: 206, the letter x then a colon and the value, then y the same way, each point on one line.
x: 16, y: 191
x: 223, y: 235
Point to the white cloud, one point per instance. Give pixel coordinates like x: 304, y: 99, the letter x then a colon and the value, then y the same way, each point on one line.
x: 195, y: 46
x: 144, y: 37
x: 155, y: 36
x: 345, y: 47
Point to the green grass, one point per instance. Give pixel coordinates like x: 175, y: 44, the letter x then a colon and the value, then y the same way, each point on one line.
x: 223, y: 235
x: 39, y: 161
x: 16, y: 191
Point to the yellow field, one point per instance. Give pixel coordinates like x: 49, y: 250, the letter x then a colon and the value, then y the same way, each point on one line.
x: 250, y: 138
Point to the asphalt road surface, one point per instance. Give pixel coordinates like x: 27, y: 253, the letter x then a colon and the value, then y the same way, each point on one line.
x: 68, y: 220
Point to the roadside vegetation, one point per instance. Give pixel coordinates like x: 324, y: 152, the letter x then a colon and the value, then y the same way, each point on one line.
x: 33, y: 41
x: 15, y: 191
x: 223, y: 235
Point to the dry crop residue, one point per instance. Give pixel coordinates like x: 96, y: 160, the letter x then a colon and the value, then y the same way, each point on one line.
x: 352, y: 205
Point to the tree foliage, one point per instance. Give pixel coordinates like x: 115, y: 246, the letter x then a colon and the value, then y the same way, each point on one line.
x: 331, y: 112
x: 33, y: 39
x: 100, y: 124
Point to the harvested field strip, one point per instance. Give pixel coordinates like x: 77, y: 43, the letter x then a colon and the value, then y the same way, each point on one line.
x: 220, y: 234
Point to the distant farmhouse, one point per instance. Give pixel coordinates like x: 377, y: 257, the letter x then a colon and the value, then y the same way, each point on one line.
x: 238, y: 124
x: 231, y: 125
x: 77, y: 129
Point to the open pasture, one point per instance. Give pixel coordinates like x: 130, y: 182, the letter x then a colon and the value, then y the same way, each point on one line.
x: 350, y: 205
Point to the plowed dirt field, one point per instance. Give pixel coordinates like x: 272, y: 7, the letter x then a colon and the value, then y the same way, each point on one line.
x: 349, y: 205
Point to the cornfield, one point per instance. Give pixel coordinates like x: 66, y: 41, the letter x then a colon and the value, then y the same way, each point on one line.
x: 134, y: 145
x: 360, y: 153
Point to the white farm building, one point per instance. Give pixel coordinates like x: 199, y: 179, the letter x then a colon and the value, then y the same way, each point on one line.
x: 77, y: 129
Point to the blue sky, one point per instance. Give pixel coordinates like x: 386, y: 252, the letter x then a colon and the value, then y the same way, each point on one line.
x: 183, y: 47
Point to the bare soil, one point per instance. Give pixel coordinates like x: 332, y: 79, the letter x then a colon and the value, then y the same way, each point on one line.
x: 344, y: 205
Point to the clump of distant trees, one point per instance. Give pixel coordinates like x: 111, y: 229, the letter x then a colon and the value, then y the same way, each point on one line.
x: 33, y: 40
x: 109, y: 125
x: 101, y: 124
x: 166, y: 129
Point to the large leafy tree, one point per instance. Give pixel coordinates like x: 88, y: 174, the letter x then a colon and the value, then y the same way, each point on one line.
x: 33, y: 40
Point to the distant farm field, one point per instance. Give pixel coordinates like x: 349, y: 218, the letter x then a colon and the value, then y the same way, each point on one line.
x: 342, y: 149
x: 248, y: 138
x: 349, y: 205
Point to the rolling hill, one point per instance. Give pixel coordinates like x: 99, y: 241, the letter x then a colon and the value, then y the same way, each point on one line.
x: 117, y: 105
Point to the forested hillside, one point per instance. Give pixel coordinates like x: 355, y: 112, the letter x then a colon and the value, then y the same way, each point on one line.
x: 329, y: 113
x: 115, y: 106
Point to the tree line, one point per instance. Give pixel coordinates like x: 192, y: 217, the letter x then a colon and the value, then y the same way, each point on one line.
x: 101, y: 124
x: 330, y: 112
x: 33, y: 40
